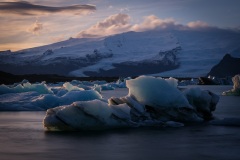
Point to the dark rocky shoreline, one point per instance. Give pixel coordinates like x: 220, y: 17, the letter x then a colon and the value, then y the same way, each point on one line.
x: 7, y: 78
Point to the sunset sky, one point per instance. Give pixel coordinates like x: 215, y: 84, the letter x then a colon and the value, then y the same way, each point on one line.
x: 25, y: 24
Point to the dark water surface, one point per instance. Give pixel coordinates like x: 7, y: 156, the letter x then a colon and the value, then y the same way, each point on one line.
x: 22, y: 137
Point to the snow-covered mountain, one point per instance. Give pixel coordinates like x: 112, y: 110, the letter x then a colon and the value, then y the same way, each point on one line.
x: 181, y: 53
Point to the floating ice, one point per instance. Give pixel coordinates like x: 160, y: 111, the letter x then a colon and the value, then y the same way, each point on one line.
x: 103, y: 87
x: 193, y: 81
x: 33, y: 101
x: 156, y: 92
x: 68, y: 86
x: 26, y: 87
x: 89, y: 115
x: 19, y: 101
x: 172, y: 82
x: 204, y: 102
x: 150, y: 102
x: 236, y: 87
x: 121, y: 82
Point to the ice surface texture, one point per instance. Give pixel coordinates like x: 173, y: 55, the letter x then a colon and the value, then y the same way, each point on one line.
x: 33, y: 101
x: 89, y: 115
x: 25, y: 96
x: 236, y: 87
x: 35, y: 97
x: 150, y: 102
x: 25, y: 87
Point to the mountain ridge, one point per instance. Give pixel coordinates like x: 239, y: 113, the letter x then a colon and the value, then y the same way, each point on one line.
x: 228, y: 66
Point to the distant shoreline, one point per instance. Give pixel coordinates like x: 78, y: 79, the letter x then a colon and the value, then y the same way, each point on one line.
x: 7, y: 78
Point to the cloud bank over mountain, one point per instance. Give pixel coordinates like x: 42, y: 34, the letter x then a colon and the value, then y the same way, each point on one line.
x: 119, y: 23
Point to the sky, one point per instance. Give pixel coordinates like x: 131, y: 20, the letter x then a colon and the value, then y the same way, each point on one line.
x: 31, y: 23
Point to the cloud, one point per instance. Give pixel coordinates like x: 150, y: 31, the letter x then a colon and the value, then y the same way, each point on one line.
x: 26, y: 8
x: 119, y: 23
x: 197, y: 24
x: 152, y: 22
x: 35, y: 28
x: 114, y: 24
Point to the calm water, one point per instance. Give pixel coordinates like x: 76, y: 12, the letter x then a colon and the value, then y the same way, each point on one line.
x: 23, y: 138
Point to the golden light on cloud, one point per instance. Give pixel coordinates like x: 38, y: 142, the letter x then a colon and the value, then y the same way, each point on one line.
x: 19, y: 31
x: 113, y: 24
x: 197, y: 24
x: 35, y: 28
x: 119, y: 23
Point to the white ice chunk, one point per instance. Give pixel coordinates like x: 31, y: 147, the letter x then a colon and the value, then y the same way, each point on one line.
x: 80, y: 96
x: 121, y: 82
x: 68, y: 86
x: 172, y: 81
x: 156, y: 92
x: 103, y: 87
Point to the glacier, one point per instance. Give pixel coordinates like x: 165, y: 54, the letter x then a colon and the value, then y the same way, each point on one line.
x: 150, y: 102
x: 178, y: 53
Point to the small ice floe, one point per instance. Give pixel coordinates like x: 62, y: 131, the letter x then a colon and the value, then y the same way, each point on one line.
x: 33, y: 101
x: 25, y: 87
x: 103, y: 87
x: 68, y: 86
x: 236, y: 87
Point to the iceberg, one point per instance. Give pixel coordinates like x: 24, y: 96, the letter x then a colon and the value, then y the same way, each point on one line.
x: 156, y: 92
x: 236, y: 87
x: 151, y: 102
